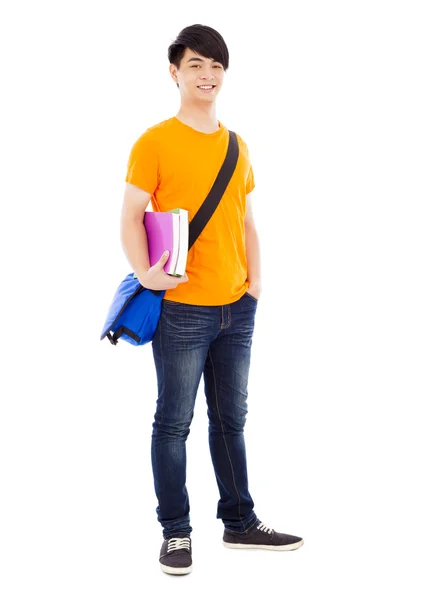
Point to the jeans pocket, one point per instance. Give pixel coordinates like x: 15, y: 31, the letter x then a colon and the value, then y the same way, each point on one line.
x: 254, y: 299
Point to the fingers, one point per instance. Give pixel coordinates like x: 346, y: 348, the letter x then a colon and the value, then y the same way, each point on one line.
x: 171, y: 281
x: 174, y: 281
x: 162, y: 260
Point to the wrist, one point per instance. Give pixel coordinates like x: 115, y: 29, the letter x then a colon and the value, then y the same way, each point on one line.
x: 254, y: 282
x: 140, y: 273
x: 255, y: 289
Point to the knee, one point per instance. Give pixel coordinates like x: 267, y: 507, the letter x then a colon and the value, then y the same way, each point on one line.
x: 228, y: 423
x: 171, y: 430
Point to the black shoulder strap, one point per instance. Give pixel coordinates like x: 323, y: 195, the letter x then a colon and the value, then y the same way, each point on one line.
x: 205, y: 212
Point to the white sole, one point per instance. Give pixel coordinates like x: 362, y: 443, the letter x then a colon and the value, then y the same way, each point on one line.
x: 176, y: 570
x: 262, y: 547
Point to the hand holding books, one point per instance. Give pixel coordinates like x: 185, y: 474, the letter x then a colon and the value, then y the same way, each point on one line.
x: 156, y: 278
x: 166, y: 232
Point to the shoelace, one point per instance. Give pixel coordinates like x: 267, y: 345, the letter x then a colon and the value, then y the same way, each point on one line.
x: 264, y: 528
x: 178, y: 544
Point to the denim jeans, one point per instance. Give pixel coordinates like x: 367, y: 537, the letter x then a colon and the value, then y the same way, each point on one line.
x: 214, y: 341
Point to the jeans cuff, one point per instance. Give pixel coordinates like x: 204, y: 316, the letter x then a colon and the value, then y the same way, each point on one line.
x: 247, y: 528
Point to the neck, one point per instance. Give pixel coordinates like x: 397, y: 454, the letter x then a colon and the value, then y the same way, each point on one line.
x: 199, y: 116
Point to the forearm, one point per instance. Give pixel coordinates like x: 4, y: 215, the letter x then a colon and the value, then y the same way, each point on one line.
x: 253, y: 254
x: 134, y: 244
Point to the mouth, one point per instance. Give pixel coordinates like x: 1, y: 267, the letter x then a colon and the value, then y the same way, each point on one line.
x: 206, y: 88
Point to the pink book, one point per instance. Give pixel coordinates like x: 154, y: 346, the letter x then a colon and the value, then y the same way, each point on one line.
x: 167, y: 231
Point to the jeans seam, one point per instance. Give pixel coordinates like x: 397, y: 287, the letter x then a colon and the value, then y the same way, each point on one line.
x: 228, y: 318
x: 251, y: 525
x: 163, y: 375
x: 223, y: 434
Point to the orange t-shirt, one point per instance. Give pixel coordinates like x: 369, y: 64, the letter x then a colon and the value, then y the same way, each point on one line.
x: 178, y: 165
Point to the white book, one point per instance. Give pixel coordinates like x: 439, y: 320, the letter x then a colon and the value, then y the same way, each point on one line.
x: 183, y: 243
x: 181, y: 238
x: 176, y: 241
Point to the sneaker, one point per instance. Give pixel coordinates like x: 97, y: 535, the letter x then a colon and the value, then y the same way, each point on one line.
x: 262, y: 537
x: 175, y: 556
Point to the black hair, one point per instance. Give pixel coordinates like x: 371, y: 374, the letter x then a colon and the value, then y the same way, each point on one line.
x: 202, y: 40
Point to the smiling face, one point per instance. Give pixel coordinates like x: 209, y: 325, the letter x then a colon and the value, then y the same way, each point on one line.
x: 199, y: 78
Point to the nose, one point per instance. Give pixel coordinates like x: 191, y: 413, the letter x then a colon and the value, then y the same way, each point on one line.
x: 207, y: 72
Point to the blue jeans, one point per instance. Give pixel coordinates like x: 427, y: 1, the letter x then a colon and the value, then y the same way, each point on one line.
x: 214, y: 341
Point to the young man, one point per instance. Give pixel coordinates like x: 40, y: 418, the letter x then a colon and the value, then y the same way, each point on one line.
x: 207, y: 318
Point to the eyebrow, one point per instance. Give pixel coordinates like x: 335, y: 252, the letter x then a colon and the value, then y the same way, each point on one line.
x: 201, y: 60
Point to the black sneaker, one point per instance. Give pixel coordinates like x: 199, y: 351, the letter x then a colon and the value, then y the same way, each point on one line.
x: 262, y: 537
x: 175, y: 556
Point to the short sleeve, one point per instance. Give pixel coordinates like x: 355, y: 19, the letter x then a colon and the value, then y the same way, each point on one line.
x: 250, y: 183
x: 143, y: 164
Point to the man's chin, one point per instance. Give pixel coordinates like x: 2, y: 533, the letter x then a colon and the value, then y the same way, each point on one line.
x: 207, y: 100
x: 210, y: 97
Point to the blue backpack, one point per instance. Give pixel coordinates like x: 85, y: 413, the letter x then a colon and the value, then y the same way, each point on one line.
x: 134, y: 312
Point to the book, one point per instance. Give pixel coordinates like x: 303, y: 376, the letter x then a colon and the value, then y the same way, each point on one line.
x: 168, y: 231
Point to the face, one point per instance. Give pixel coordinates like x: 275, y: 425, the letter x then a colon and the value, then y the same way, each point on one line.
x: 199, y: 78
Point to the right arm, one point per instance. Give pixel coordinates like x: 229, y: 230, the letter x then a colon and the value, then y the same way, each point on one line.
x: 134, y: 242
x: 133, y: 234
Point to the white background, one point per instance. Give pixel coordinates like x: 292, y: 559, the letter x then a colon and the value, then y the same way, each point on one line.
x: 339, y: 105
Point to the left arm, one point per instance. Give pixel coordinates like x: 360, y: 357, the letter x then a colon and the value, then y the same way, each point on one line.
x: 252, y: 251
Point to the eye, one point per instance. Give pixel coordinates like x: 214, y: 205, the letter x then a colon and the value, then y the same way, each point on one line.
x: 195, y: 66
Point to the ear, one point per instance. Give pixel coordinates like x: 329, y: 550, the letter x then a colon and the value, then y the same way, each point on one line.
x: 173, y: 72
